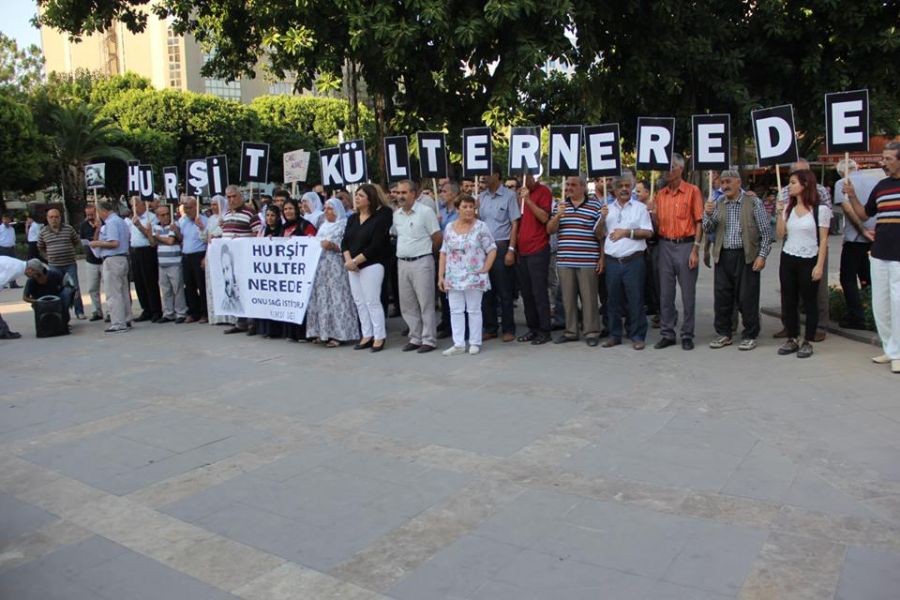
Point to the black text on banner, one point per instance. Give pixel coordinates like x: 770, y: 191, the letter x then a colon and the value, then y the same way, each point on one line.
x: 847, y: 121
x: 711, y: 142
x: 254, y: 162
x: 773, y: 130
x: 655, y: 143
x: 602, y: 150
x: 477, y: 151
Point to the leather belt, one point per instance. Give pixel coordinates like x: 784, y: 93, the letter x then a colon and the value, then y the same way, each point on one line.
x: 683, y: 240
x: 410, y: 259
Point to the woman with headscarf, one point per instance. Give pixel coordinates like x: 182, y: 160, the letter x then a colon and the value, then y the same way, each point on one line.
x: 273, y: 228
x: 331, y: 315
x: 214, y: 230
x: 296, y: 225
x: 311, y: 204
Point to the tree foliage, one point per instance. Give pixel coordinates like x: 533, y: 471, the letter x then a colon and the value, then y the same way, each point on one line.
x: 20, y: 68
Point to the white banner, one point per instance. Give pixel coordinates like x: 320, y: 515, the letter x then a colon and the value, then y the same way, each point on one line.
x: 263, y: 278
x: 296, y: 165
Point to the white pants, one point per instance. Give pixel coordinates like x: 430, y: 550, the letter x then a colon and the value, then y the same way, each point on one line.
x: 365, y: 285
x: 171, y: 287
x: 886, y: 303
x: 463, y: 303
x: 118, y: 290
x: 93, y: 285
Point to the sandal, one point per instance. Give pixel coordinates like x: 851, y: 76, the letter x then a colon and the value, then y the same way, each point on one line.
x: 332, y: 344
x: 527, y: 337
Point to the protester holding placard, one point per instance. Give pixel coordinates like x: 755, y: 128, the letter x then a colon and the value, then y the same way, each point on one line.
x: 331, y: 316
x: 577, y: 219
x: 467, y: 253
x: 741, y: 239
x: 498, y: 207
x: 92, y: 263
x: 884, y: 204
x: 651, y: 255
x: 171, y: 279
x: 271, y: 227
x: 218, y: 207
x: 803, y: 225
x: 679, y: 209
x: 295, y: 225
x: 112, y: 243
x: 311, y: 205
x: 533, y: 266
x: 238, y: 222
x: 192, y: 226
x: 144, y: 261
x: 365, y: 247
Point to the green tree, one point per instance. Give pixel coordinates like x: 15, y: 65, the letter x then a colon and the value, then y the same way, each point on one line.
x: 21, y: 69
x: 23, y: 150
x: 81, y: 136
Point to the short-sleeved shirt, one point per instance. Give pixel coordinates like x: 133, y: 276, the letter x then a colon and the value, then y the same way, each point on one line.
x: 414, y: 230
x: 138, y: 239
x: 850, y: 232
x: 533, y: 237
x: 884, y: 205
x: 115, y: 228
x: 633, y: 215
x: 169, y: 254
x: 59, y: 246
x: 34, y: 231
x: 86, y: 233
x: 239, y: 223
x: 679, y: 211
x: 498, y: 210
x: 577, y: 246
x: 802, y: 236
x: 191, y: 241
x: 7, y: 236
x: 53, y: 287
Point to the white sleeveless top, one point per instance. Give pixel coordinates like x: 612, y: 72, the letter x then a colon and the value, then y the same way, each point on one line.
x: 802, y: 239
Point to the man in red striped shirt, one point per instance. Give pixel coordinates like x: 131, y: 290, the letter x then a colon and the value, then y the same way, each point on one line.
x: 239, y: 222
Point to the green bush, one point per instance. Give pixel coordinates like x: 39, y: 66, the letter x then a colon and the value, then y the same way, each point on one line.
x: 837, y: 306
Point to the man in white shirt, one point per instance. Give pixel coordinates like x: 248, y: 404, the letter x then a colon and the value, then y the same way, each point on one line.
x: 144, y: 262
x: 8, y: 243
x: 418, y: 236
x: 629, y: 226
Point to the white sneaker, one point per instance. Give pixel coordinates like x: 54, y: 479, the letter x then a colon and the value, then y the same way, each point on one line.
x: 473, y: 350
x: 881, y: 360
x: 454, y: 350
x: 895, y: 366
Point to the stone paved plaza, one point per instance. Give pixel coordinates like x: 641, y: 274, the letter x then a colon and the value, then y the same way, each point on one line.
x: 175, y: 463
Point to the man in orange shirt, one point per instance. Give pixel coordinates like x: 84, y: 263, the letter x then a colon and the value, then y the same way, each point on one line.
x: 679, y: 213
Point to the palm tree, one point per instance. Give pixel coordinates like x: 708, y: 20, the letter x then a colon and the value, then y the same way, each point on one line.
x: 81, y: 136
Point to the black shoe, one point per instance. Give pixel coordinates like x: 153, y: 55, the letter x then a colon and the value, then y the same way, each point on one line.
x: 142, y: 318
x: 592, y: 341
x: 364, y: 345
x: 424, y: 349
x: 664, y: 343
x: 542, y: 338
x: 156, y: 319
x: 687, y: 343
x: 234, y: 329
x: 379, y: 348
x: 128, y: 325
x: 11, y: 335
x: 95, y: 317
x: 179, y: 320
x: 565, y: 338
x: 604, y: 333
x: 527, y: 337
x: 410, y: 347
x: 163, y: 320
x: 557, y: 326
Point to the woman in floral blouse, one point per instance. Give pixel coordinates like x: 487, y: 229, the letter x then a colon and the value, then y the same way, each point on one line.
x: 467, y: 254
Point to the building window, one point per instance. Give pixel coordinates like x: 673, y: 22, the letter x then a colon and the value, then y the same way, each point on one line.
x: 174, y: 49
x: 282, y: 87
x: 230, y: 90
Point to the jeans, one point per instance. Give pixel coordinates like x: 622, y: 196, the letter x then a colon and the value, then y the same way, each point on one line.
x: 72, y: 271
x: 625, y: 295
x: 501, y: 278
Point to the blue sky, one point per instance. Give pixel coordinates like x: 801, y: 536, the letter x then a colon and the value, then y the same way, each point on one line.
x: 15, y: 23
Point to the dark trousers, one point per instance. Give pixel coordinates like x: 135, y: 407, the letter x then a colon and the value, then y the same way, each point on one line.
x: 194, y: 284
x: 390, y: 285
x: 532, y: 273
x: 854, y: 273
x: 501, y: 278
x: 674, y: 271
x: 736, y: 284
x: 145, y: 268
x: 795, y: 275
x: 33, y: 251
x: 651, y: 285
x: 625, y: 281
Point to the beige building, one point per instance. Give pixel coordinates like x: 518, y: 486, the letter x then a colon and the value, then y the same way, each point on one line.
x: 167, y: 59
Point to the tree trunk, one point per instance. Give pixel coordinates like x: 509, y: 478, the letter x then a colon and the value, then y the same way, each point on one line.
x: 353, y: 125
x: 380, y: 127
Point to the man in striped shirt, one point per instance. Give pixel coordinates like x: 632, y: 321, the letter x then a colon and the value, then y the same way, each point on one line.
x: 239, y: 222
x: 57, y: 242
x: 884, y: 205
x: 168, y: 252
x: 578, y: 261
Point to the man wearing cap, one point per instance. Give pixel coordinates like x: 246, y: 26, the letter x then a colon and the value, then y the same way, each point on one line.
x: 742, y: 237
x: 111, y: 241
x: 679, y: 211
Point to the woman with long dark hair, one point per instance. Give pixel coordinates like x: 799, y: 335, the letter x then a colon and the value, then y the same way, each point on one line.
x: 803, y: 225
x: 365, y: 247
